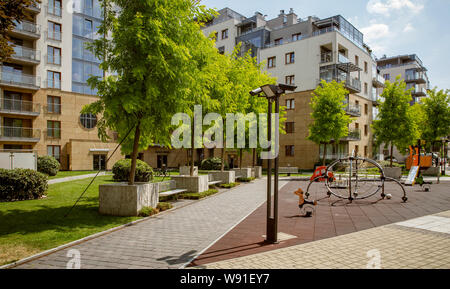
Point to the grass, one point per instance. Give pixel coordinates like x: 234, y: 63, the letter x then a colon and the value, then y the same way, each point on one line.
x: 29, y: 227
x: 65, y: 174
x: 198, y: 196
x: 228, y: 186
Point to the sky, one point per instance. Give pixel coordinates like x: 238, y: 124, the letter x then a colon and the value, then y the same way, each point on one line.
x: 390, y: 27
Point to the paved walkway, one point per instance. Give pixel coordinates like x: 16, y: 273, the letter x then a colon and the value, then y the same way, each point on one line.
x: 74, y: 178
x: 419, y: 243
x: 169, y: 240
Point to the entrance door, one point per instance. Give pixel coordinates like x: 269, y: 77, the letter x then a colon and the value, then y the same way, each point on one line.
x: 161, y: 161
x: 231, y: 161
x: 99, y: 162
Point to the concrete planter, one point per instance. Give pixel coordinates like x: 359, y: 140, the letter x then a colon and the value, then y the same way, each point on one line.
x: 244, y: 172
x: 195, y: 184
x: 395, y: 173
x: 122, y: 199
x: 257, y: 172
x: 227, y: 177
x: 186, y: 171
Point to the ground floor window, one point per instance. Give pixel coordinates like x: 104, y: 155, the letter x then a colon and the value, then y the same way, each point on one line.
x: 54, y: 151
x: 99, y: 162
x: 161, y: 161
x: 290, y: 151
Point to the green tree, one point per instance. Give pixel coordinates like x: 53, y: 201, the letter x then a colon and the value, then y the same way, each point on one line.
x: 436, y: 123
x: 330, y: 122
x: 395, y: 125
x: 12, y: 11
x: 157, y: 52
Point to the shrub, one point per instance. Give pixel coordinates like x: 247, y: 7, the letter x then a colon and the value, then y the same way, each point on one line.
x: 212, y: 164
x: 147, y: 211
x: 197, y: 196
x: 163, y: 206
x: 22, y: 184
x: 122, y: 168
x: 245, y: 180
x: 228, y: 186
x: 48, y: 165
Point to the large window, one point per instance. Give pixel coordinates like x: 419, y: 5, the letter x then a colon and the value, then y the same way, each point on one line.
x: 290, y: 58
x: 54, y: 151
x: 290, y: 103
x: 290, y: 79
x: 290, y: 127
x: 53, y: 129
x: 88, y: 120
x: 88, y: 7
x: 53, y: 55
x: 54, y: 7
x: 54, y: 31
x: 271, y: 62
x: 54, y: 104
x: 53, y: 79
x: 88, y: 28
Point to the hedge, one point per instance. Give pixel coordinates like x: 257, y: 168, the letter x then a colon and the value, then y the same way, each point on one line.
x: 121, y: 171
x: 48, y: 165
x: 212, y: 164
x: 22, y: 184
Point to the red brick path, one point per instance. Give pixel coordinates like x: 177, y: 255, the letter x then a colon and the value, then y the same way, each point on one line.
x: 328, y: 221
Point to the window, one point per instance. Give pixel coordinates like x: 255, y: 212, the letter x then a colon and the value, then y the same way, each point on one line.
x: 54, y: 7
x: 356, y: 126
x: 271, y: 62
x: 88, y: 6
x: 296, y: 36
x: 366, y: 109
x: 88, y: 120
x: 225, y: 34
x: 387, y: 76
x: 279, y: 41
x: 289, y: 151
x: 366, y: 88
x: 356, y: 60
x: 54, y: 31
x: 290, y: 127
x: 216, y: 36
x: 356, y: 150
x: 54, y: 104
x: 366, y: 69
x: 222, y: 50
x: 366, y: 151
x: 88, y: 28
x: 53, y: 79
x: 290, y: 79
x: 290, y: 103
x: 53, y: 55
x: 53, y: 129
x: 290, y: 58
x: 366, y: 130
x: 54, y: 151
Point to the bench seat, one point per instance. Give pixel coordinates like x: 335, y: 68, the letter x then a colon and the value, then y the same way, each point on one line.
x: 214, y: 183
x: 172, y: 192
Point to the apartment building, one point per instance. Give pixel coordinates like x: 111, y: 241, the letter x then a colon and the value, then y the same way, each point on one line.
x: 411, y: 70
x: 300, y: 52
x: 43, y: 86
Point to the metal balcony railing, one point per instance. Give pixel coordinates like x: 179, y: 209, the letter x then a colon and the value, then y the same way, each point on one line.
x: 26, y: 26
x: 54, y: 133
x: 353, y: 134
x: 326, y: 57
x: 353, y: 109
x: 19, y: 133
x: 353, y: 84
x: 19, y: 80
x: 25, y: 53
x: 19, y: 106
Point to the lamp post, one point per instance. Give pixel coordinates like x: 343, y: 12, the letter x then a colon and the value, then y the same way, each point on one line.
x: 272, y: 93
x: 443, y: 156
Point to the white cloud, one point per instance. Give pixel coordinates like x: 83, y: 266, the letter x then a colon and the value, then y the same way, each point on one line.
x: 385, y: 7
x: 408, y: 28
x: 375, y: 31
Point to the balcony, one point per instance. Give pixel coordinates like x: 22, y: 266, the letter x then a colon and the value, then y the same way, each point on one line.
x: 20, y: 80
x: 353, y: 135
x: 25, y: 55
x: 19, y: 107
x: 378, y: 81
x: 417, y: 78
x: 53, y: 133
x: 326, y: 57
x: 34, y: 8
x: 419, y: 92
x: 353, y: 85
x: 27, y: 30
x: 19, y: 134
x: 353, y: 109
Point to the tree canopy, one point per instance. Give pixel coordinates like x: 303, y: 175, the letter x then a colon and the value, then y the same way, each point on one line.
x: 436, y: 120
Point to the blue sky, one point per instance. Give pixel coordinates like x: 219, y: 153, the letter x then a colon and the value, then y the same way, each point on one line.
x: 390, y: 27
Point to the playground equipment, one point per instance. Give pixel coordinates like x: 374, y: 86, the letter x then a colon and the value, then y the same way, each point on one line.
x: 354, y: 178
x: 307, y: 208
x: 417, y: 163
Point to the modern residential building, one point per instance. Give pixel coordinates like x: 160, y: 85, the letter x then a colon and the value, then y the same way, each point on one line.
x: 43, y: 86
x: 300, y: 52
x: 411, y: 70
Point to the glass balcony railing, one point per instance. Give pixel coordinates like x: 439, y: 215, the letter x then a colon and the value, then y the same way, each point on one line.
x: 19, y: 106
x: 342, y: 58
x: 25, y: 53
x: 25, y: 133
x: 19, y: 79
x: 27, y: 27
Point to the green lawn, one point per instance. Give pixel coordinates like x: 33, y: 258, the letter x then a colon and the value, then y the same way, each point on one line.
x: 28, y: 227
x: 65, y: 174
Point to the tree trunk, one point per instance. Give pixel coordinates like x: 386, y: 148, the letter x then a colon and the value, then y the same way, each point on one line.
x: 254, y: 158
x: 222, y: 165
x: 137, y: 135
x: 240, y: 158
x: 392, y: 154
x: 324, y: 154
x: 192, y: 150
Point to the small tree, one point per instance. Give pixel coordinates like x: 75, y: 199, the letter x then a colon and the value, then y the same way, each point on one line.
x: 12, y: 11
x: 436, y: 108
x: 395, y: 125
x: 330, y: 122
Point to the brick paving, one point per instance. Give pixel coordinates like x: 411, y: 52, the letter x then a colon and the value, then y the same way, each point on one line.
x: 418, y: 243
x: 328, y: 221
x: 166, y: 241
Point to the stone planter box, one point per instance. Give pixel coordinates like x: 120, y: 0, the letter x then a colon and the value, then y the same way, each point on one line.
x: 227, y: 177
x: 194, y: 184
x: 186, y: 171
x: 122, y: 199
x: 243, y: 173
x: 395, y: 173
x: 257, y: 172
x: 433, y: 172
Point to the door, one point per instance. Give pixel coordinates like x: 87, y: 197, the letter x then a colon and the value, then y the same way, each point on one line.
x: 99, y: 162
x: 12, y: 101
x: 13, y: 127
x: 161, y: 161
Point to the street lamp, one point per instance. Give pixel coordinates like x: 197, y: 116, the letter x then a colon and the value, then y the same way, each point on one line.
x: 443, y: 156
x: 272, y: 93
